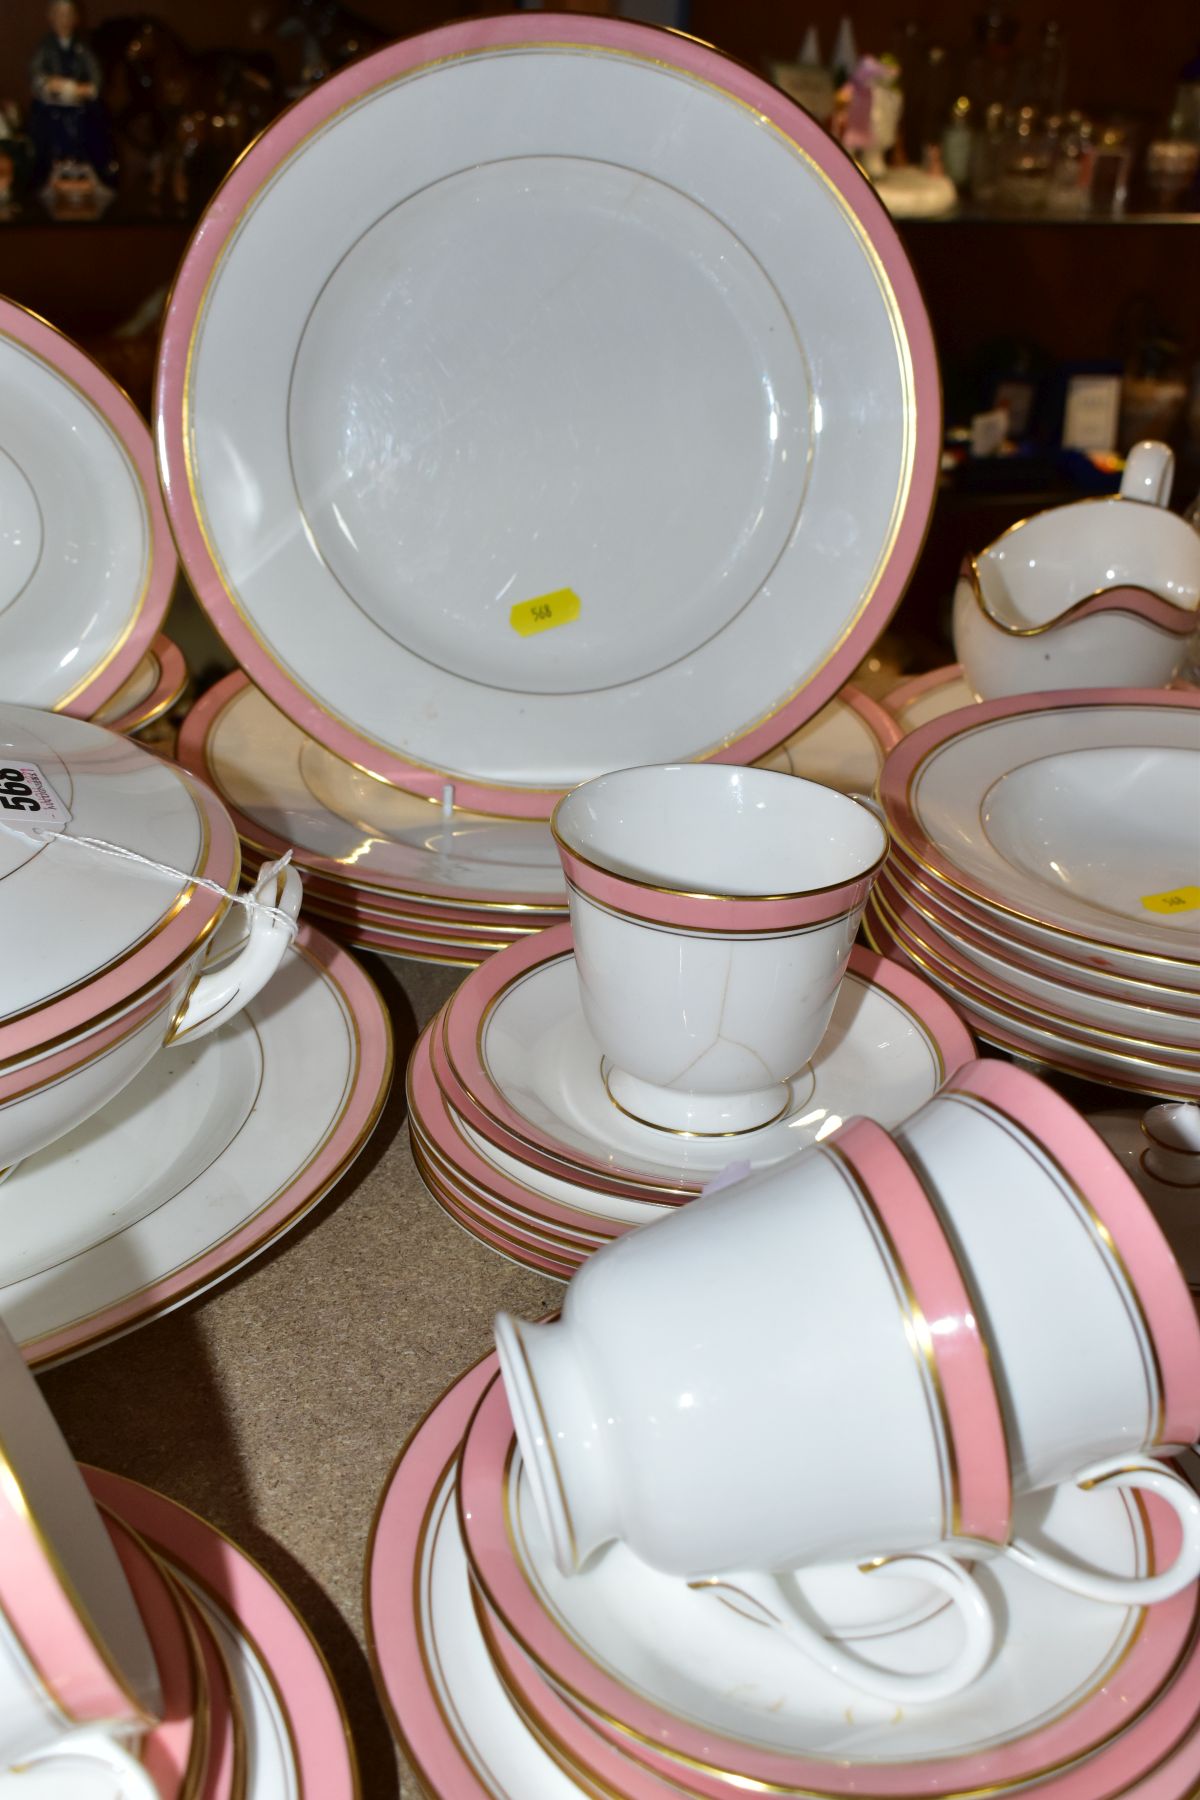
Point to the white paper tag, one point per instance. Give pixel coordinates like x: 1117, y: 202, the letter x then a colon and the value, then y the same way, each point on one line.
x: 28, y: 801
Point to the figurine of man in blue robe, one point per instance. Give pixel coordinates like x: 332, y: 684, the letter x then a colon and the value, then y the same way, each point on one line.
x: 66, y: 121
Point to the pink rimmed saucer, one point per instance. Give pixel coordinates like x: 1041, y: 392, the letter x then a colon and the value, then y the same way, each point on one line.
x: 517, y: 655
x: 87, y: 563
x: 517, y: 1061
x: 680, y: 1710
x: 209, y: 1156
x: 175, y: 1751
x: 238, y: 1591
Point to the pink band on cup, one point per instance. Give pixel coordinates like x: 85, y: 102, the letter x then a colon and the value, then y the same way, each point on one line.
x: 952, y: 1341
x: 712, y: 912
x: 1141, y: 1249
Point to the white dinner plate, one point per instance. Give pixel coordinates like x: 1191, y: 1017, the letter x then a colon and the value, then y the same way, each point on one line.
x: 600, y: 425
x: 86, y: 559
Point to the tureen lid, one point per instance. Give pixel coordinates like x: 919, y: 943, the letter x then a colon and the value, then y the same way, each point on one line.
x: 85, y: 930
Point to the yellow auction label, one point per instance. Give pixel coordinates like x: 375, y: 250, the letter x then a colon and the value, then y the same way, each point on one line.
x: 545, y: 612
x: 1184, y: 899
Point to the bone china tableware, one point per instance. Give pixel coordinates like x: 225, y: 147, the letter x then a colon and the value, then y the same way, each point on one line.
x: 1101, y: 593
x: 1069, y: 820
x: 1081, y: 1702
x: 712, y: 911
x: 299, y: 1743
x: 427, y: 556
x: 86, y: 559
x: 623, y: 1407
x: 109, y: 940
x: 209, y: 1155
x: 77, y: 1662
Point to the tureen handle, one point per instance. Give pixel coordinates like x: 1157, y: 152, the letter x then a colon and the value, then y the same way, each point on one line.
x: 218, y: 994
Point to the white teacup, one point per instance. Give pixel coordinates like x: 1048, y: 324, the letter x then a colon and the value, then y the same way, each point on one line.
x: 77, y: 1671
x: 1096, y: 1346
x: 1101, y: 593
x: 713, y: 909
x: 724, y: 1385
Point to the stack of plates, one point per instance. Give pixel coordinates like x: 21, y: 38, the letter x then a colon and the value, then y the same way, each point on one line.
x: 391, y: 872
x: 86, y: 559
x: 516, y: 1138
x: 384, y: 869
x: 1045, y: 875
x: 544, y: 452
x: 504, y: 1678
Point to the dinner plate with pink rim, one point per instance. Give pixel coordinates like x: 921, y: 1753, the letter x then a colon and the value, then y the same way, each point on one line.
x: 654, y: 1664
x: 205, y: 1159
x: 583, y: 207
x: 530, y: 1071
x: 86, y: 558
x: 152, y: 690
x: 277, y: 1665
x: 1076, y: 811
x: 267, y: 772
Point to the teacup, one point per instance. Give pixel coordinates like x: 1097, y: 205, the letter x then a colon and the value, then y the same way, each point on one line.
x: 713, y: 910
x: 703, y: 1398
x: 1095, y: 1337
x: 1101, y: 593
x: 78, y: 1678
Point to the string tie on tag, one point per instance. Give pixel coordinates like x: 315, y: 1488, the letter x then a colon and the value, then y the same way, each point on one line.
x: 248, y: 900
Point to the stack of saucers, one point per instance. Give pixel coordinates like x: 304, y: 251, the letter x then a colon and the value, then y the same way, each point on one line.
x: 601, y: 1073
x: 831, y: 1485
x: 1045, y: 875
x: 146, y: 1656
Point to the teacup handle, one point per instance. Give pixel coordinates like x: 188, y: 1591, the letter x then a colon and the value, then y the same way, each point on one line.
x: 757, y: 1596
x: 1149, y: 473
x: 1139, y: 1472
x: 218, y: 994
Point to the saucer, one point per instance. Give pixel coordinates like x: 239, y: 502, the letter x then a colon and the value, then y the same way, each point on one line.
x: 86, y: 562
x: 211, y: 1153
x: 467, y: 1741
x: 583, y: 206
x: 175, y: 1751
x: 843, y: 747
x: 297, y: 1737
x: 696, y: 1685
x: 524, y: 1070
